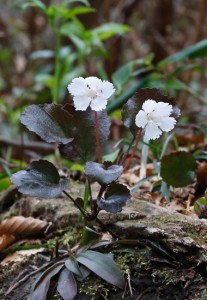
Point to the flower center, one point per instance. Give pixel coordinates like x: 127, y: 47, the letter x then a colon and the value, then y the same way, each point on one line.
x: 150, y: 117
x: 93, y: 93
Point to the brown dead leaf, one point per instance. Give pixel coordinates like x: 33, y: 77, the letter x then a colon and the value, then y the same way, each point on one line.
x: 20, y: 255
x: 5, y: 240
x: 20, y: 225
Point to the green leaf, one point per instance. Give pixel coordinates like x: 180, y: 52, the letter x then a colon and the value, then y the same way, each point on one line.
x: 42, y: 54
x: 115, y: 198
x: 198, y: 50
x: 40, y: 180
x: 78, y: 11
x: 103, y: 173
x: 108, y: 30
x: 199, y: 204
x: 36, y: 4
x: 4, y: 183
x: 40, y: 287
x: 111, y: 156
x: 89, y: 236
x: 67, y: 286
x: 51, y: 122
x: 178, y: 169
x: 118, y: 102
x: 122, y: 75
x: 103, y: 266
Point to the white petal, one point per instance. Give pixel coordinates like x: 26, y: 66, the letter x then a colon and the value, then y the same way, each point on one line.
x: 107, y: 89
x: 152, y: 131
x: 93, y: 82
x: 141, y: 119
x: 149, y: 105
x: 98, y: 104
x: 81, y: 102
x: 78, y: 87
x: 163, y: 109
x: 167, y: 123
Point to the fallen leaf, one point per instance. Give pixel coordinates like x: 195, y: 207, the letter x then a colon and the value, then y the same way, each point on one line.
x: 20, y: 255
x: 20, y: 225
x: 5, y: 240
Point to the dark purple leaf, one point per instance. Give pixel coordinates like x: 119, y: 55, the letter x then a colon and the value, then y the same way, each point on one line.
x: 84, y: 143
x: 72, y: 265
x: 67, y: 286
x: 103, y: 173
x: 103, y: 266
x: 40, y: 287
x: 50, y: 121
x: 41, y: 179
x: 178, y: 169
x: 134, y: 104
x: 115, y: 198
x: 81, y: 272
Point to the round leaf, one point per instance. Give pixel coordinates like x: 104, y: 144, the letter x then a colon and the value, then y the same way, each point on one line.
x: 178, y: 169
x: 103, y: 173
x: 50, y: 121
x: 115, y: 198
x: 85, y: 135
x: 40, y: 180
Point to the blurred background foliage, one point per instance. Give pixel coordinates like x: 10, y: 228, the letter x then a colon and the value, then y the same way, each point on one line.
x: 134, y: 44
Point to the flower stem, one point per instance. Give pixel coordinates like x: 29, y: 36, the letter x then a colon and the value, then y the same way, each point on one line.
x: 134, y: 150
x: 97, y: 137
x: 56, y: 87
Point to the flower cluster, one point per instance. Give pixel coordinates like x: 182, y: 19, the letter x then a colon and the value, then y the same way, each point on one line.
x: 154, y: 117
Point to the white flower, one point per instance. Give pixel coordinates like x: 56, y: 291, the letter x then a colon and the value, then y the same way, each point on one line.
x: 155, y: 118
x: 90, y: 91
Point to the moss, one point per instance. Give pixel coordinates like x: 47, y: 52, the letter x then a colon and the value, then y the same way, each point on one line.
x: 132, y: 261
x: 96, y: 288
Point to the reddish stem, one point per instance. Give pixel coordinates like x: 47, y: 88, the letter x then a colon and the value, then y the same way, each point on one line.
x: 134, y: 150
x: 97, y: 137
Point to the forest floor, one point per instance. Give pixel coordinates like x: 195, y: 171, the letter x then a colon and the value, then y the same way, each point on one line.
x: 163, y: 253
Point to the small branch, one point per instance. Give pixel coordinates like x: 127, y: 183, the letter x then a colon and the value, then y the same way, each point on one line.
x: 134, y: 150
x: 97, y: 137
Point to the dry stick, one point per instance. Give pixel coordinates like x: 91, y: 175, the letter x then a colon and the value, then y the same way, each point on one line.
x: 134, y: 150
x: 97, y: 137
